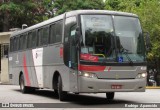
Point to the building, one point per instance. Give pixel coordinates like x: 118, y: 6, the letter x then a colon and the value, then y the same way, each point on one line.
x: 4, y: 47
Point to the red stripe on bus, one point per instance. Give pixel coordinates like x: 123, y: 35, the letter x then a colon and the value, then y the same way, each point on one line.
x: 91, y: 68
x: 26, y: 70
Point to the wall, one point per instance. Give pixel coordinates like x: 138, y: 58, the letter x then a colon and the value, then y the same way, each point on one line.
x: 4, y: 39
x: 4, y: 71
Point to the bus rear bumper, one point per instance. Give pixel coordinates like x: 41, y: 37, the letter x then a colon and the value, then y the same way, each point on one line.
x: 91, y: 85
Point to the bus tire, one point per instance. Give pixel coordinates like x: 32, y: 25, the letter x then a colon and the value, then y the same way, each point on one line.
x: 56, y: 92
x: 110, y: 95
x: 23, y: 88
x: 62, y: 94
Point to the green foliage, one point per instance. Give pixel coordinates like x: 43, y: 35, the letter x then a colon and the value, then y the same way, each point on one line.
x: 63, y: 6
x: 14, y: 13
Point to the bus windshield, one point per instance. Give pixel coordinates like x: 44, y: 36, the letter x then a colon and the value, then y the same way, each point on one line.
x: 106, y: 37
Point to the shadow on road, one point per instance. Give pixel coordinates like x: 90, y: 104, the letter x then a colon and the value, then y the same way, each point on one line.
x: 83, y: 100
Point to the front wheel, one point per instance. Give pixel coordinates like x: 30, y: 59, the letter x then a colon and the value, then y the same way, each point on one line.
x: 62, y: 94
x: 110, y: 95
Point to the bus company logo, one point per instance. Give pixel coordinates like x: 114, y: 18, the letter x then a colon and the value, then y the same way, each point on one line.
x: 5, y: 105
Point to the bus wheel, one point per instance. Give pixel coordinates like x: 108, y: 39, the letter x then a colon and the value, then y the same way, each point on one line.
x: 110, y: 95
x: 23, y: 88
x: 62, y: 94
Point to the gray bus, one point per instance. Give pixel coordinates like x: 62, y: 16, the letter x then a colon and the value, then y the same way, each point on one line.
x: 82, y: 51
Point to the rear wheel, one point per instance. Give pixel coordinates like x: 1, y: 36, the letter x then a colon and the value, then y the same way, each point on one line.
x: 62, y: 94
x: 110, y: 95
x: 23, y: 88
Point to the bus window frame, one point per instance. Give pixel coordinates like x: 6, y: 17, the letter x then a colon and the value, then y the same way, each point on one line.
x: 54, y: 24
x: 46, y: 27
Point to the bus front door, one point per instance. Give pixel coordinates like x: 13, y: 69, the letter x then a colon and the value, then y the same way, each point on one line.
x: 70, y: 52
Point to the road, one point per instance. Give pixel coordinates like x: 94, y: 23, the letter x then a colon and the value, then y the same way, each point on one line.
x: 12, y: 94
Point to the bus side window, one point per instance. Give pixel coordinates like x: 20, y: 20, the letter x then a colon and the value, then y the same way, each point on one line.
x: 21, y: 42
x: 17, y: 45
x: 52, y: 33
x: 14, y: 44
x: 58, y: 36
x: 34, y: 39
x: 40, y: 37
x: 45, y: 36
x: 69, y: 28
x: 24, y: 41
x: 29, y: 42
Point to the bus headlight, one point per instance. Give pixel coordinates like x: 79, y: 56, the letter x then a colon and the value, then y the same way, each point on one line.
x: 87, y: 74
x: 141, y: 75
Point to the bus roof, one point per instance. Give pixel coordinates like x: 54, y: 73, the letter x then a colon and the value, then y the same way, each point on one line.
x: 75, y: 12
x: 72, y: 13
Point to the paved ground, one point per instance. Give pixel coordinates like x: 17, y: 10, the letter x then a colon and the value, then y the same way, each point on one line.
x: 12, y: 94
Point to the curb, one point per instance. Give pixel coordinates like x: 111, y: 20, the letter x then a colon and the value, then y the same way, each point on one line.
x: 152, y: 87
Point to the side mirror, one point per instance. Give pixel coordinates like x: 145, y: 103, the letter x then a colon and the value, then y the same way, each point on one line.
x: 147, y: 40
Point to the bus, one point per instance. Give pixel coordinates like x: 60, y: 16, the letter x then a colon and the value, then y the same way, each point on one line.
x: 81, y: 51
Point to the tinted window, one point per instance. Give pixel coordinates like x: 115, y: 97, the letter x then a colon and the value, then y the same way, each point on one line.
x: 53, y: 33
x: 15, y: 44
x: 40, y: 37
x: 56, y: 32
x: 25, y: 41
x: 70, y: 22
x: 34, y: 39
x: 59, y: 31
x: 21, y: 42
x: 45, y: 36
x: 29, y: 44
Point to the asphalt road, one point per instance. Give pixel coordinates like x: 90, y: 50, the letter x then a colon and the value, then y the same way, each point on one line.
x: 12, y: 94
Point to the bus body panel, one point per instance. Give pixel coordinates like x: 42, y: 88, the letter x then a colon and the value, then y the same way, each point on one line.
x: 88, y: 85
x: 48, y: 68
x: 117, y: 72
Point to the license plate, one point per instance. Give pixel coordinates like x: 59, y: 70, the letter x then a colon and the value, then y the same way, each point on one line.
x: 116, y: 86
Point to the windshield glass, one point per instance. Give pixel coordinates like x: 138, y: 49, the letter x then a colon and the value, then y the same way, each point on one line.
x: 97, y: 35
x: 129, y: 37
x: 100, y: 39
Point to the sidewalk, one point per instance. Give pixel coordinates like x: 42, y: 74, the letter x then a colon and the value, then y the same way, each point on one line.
x: 4, y: 83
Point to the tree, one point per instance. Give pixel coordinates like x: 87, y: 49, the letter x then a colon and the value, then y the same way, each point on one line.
x: 14, y: 13
x: 62, y: 6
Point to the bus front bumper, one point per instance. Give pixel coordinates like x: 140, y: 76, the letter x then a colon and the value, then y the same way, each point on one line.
x: 92, y: 85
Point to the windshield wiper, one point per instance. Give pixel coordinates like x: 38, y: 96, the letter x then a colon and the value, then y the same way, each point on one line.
x: 126, y: 53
